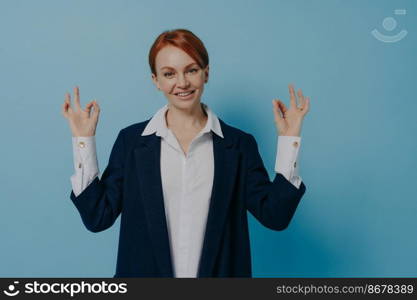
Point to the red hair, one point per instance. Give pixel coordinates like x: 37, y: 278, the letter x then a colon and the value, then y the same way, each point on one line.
x: 183, y: 39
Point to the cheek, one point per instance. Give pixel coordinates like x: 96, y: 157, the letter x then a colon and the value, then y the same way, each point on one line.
x: 198, y: 81
x: 166, y: 86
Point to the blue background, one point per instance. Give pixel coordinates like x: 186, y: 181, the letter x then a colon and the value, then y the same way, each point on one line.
x: 358, y: 217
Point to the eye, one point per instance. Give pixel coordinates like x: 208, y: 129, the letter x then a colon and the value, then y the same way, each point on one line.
x: 193, y: 70
x: 168, y: 74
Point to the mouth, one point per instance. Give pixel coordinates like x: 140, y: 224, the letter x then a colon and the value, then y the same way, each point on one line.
x: 185, y: 95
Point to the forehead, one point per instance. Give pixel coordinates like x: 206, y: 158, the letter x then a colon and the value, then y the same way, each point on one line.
x: 173, y: 57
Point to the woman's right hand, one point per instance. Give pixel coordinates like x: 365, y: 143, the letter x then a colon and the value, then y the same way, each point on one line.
x: 83, y: 122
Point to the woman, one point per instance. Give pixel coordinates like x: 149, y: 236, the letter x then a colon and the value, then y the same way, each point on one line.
x: 184, y: 180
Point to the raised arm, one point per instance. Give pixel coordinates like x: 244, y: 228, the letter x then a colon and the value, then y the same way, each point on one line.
x: 99, y: 201
x: 274, y: 203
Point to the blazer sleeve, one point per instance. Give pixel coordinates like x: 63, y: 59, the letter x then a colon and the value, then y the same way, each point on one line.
x: 274, y: 203
x: 100, y: 203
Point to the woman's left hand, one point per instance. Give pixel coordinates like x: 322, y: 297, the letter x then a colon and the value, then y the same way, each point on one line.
x: 289, y: 121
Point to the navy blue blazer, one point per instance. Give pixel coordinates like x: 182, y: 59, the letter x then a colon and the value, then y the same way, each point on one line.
x: 131, y: 186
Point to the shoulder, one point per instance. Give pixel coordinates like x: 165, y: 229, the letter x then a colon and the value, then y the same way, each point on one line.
x: 134, y: 129
x: 240, y: 137
x: 129, y: 135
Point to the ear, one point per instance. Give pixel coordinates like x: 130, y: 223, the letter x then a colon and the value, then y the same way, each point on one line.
x: 206, y: 72
x: 155, y: 81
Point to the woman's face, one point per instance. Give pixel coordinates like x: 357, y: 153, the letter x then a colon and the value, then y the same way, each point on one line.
x: 177, y: 74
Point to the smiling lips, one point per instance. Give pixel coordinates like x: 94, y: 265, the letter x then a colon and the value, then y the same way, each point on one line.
x: 184, y: 95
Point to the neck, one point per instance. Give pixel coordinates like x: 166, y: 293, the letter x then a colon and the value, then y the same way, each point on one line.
x: 193, y: 118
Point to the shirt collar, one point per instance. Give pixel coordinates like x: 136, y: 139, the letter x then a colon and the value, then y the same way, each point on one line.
x: 158, y: 123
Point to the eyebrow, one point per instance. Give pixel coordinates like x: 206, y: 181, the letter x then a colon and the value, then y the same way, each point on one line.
x: 166, y: 67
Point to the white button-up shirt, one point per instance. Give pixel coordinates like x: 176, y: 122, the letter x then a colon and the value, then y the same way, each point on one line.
x: 187, y: 181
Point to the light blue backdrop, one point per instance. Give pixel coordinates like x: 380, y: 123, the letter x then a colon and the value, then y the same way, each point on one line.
x: 358, y: 158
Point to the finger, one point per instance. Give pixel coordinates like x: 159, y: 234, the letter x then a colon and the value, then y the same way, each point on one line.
x: 64, y: 109
x: 276, y: 109
x: 301, y: 98
x: 279, y: 112
x: 89, y: 106
x: 67, y: 103
x: 96, y: 110
x: 291, y: 90
x: 68, y: 99
x: 282, y: 106
x: 77, y: 98
x: 306, y: 107
x: 278, y: 115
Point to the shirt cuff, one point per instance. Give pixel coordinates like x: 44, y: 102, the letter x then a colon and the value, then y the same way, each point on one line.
x: 286, y: 161
x: 85, y: 163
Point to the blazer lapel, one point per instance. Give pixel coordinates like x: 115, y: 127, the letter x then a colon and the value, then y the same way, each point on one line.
x: 225, y: 167
x: 147, y: 157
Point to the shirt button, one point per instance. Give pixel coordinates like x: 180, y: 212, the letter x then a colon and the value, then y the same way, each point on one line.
x: 81, y: 144
x: 295, y: 144
x: 295, y: 164
x: 79, y: 166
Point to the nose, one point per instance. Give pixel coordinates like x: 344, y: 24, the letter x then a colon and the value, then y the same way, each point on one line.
x: 182, y: 81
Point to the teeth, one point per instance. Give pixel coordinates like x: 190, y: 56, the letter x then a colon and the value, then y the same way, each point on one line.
x: 183, y: 94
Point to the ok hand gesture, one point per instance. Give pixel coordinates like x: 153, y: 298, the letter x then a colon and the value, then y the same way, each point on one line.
x: 83, y: 122
x: 289, y: 121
